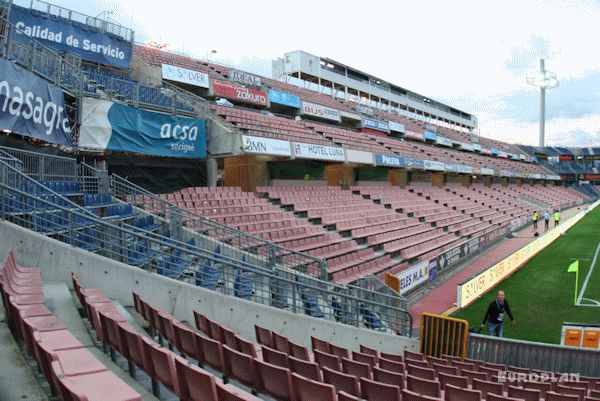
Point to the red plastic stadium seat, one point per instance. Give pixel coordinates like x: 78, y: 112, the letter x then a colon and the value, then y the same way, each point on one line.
x: 497, y: 397
x: 274, y: 357
x: 263, y: 336
x: 430, y: 388
x: 388, y: 377
x: 416, y: 371
x: 310, y: 390
x: 341, y: 381
x: 453, y: 393
x: 487, y: 387
x: 327, y: 360
x: 392, y: 366
x: 343, y: 396
x: 228, y: 392
x: 355, y: 368
x: 275, y: 381
x: 580, y: 392
x: 194, y: 382
x: 307, y: 369
x: 554, y: 396
x: 408, y: 395
x: 210, y: 352
x: 375, y: 391
x: 369, y: 359
x: 162, y: 365
x: 98, y: 386
x: 455, y: 380
x: 241, y: 367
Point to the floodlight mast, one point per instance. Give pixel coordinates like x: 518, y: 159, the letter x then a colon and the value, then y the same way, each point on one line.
x: 543, y: 80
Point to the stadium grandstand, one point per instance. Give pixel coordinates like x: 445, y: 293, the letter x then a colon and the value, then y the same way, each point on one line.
x: 172, y: 228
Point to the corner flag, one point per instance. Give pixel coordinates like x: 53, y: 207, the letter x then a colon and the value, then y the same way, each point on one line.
x: 574, y: 268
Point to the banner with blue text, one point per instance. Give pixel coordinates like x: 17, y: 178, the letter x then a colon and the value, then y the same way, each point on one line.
x: 110, y: 126
x: 65, y: 36
x: 30, y: 106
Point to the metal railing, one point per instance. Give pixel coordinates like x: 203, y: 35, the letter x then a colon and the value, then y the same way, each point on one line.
x: 190, y: 258
x: 528, y: 354
x: 271, y: 253
x: 373, y: 284
x: 44, y: 167
x: 54, y: 10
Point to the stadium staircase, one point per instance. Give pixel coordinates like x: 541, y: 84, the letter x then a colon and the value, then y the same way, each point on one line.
x: 108, y: 215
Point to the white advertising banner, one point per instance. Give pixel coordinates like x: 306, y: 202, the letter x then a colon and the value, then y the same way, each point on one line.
x: 266, y: 146
x: 413, y: 276
x: 318, y: 152
x: 185, y: 76
x: 317, y: 110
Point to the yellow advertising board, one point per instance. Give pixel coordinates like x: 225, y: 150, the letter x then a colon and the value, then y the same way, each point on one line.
x: 473, y: 288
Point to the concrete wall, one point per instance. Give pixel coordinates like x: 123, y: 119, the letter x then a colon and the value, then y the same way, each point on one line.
x: 57, y: 260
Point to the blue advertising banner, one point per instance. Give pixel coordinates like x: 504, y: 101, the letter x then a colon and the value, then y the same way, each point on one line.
x: 430, y: 135
x: 65, y: 36
x: 415, y: 164
x: 377, y: 125
x: 494, y: 151
x: 284, y: 98
x: 30, y: 106
x: 390, y: 161
x: 110, y: 126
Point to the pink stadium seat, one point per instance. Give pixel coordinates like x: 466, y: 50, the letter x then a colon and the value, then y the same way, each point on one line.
x: 416, y: 363
x: 543, y: 387
x: 375, y: 391
x: 320, y: 345
x: 281, y: 343
x: 201, y: 322
x: 369, y: 359
x: 341, y: 381
x: 310, y: 390
x: 447, y: 369
x: 453, y: 393
x: 184, y: 340
x: 298, y: 351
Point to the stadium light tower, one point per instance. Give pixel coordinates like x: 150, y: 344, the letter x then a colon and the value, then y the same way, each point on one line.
x: 544, y: 80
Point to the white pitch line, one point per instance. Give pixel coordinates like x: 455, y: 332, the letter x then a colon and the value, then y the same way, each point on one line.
x: 594, y: 302
x: 587, y: 278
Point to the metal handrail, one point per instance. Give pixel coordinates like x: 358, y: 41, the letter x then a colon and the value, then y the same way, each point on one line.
x: 43, y: 166
x: 534, y: 355
x: 52, y: 9
x: 64, y: 220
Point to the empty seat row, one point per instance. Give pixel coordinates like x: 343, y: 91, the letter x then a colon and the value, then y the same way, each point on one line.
x: 71, y: 370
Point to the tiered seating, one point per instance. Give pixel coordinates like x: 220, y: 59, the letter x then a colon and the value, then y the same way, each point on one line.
x: 556, y: 197
x: 347, y: 260
x: 279, y: 368
x: 269, y: 126
x: 71, y: 370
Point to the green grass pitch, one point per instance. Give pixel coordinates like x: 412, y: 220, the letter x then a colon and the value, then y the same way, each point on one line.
x: 541, y: 292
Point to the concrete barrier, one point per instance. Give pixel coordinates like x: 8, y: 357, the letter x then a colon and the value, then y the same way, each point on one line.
x: 57, y: 260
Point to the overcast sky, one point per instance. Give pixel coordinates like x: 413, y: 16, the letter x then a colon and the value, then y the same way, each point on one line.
x: 473, y: 55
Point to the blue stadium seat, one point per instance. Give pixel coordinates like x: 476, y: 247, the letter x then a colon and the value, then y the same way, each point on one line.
x: 242, y: 286
x: 208, y: 277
